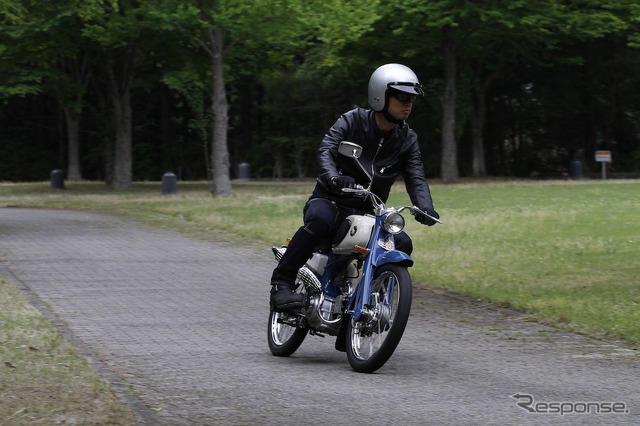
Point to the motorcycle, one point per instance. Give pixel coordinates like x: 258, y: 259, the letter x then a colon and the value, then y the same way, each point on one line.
x: 357, y: 287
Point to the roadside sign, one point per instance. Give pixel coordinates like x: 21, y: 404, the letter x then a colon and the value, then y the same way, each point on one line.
x: 603, y: 156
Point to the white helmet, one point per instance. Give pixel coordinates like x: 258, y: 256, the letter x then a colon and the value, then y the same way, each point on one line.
x: 391, y: 76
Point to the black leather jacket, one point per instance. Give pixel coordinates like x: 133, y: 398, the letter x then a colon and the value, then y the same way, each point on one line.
x: 393, y: 153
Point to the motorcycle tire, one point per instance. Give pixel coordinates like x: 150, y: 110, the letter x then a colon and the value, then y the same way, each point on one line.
x: 284, y: 339
x: 372, y: 341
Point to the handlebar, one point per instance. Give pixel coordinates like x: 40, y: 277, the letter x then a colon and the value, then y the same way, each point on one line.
x: 412, y: 209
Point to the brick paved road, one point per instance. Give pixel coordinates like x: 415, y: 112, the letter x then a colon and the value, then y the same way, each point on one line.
x: 183, y: 321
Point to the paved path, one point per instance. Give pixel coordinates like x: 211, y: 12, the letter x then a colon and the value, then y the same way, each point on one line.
x: 183, y: 322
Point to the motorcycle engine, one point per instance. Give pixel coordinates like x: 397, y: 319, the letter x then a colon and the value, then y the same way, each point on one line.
x: 324, y: 313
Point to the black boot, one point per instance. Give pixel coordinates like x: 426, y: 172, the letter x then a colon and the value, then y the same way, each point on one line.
x: 283, y: 297
x: 298, y: 252
x: 284, y: 275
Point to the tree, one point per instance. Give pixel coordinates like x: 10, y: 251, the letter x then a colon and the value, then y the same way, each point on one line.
x: 209, y: 26
x: 525, y: 83
x: 71, y: 97
x: 485, y: 37
x: 48, y: 39
x: 124, y: 36
x: 278, y: 27
x: 45, y: 40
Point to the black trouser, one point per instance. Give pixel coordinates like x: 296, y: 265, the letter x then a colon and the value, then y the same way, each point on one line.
x: 322, y: 218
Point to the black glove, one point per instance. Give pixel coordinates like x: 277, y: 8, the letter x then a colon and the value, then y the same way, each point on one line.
x: 339, y: 182
x: 425, y: 220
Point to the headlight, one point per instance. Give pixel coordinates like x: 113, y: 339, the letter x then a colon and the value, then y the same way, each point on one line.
x: 394, y: 223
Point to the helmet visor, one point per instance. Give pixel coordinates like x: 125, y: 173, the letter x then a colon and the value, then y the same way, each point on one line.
x: 407, y: 87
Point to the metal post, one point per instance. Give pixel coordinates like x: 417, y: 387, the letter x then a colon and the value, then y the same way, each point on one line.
x: 169, y: 183
x: 244, y: 171
x: 57, y: 179
x: 575, y: 170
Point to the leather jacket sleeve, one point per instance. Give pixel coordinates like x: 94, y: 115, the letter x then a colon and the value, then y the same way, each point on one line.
x: 416, y: 182
x: 327, y: 155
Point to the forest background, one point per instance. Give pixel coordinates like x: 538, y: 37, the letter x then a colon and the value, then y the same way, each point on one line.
x: 126, y: 90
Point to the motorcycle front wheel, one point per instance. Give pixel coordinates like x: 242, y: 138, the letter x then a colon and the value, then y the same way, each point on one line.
x: 372, y: 341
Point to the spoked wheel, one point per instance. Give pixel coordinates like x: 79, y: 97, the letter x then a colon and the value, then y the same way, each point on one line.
x: 285, y: 335
x: 371, y: 341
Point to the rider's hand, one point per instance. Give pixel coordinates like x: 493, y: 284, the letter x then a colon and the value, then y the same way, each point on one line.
x: 339, y: 182
x: 426, y: 220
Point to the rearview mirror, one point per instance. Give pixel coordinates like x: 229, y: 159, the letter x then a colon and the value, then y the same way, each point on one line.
x: 350, y: 149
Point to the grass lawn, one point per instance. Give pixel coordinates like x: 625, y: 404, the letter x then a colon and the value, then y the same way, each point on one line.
x: 567, y: 252
x: 43, y: 378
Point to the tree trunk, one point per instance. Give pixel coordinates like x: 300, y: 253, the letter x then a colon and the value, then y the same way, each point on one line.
x: 449, y: 160
x: 278, y: 172
x: 477, y: 114
x: 122, y: 161
x: 221, y: 184
x: 119, y: 82
x: 77, y: 70
x: 72, y: 120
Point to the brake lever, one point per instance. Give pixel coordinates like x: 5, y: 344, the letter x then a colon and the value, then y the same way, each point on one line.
x: 414, y: 211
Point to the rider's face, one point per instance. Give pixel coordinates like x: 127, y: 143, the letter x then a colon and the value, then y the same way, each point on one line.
x: 400, y: 109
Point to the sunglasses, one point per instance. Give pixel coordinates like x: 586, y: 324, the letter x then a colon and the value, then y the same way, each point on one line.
x: 404, y: 97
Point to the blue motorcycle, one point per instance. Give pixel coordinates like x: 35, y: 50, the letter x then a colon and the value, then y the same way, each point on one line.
x: 357, y: 287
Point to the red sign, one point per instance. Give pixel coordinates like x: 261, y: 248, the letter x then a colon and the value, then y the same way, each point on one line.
x: 603, y: 156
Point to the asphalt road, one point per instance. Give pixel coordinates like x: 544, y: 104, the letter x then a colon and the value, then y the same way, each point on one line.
x: 182, y: 322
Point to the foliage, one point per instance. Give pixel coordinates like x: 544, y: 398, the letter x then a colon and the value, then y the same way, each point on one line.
x: 553, y: 79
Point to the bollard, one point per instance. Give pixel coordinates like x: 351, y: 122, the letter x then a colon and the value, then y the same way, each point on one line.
x: 575, y: 170
x: 57, y: 179
x: 169, y: 183
x: 244, y: 171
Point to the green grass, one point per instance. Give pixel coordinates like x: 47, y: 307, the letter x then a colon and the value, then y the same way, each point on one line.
x: 567, y: 252
x: 43, y: 379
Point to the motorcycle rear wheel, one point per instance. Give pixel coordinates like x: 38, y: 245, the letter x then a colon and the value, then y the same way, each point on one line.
x: 284, y: 339
x: 371, y: 342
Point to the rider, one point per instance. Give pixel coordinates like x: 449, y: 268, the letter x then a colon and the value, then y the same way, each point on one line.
x: 390, y: 148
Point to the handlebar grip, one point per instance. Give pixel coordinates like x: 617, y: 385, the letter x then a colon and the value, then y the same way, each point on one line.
x: 358, y: 188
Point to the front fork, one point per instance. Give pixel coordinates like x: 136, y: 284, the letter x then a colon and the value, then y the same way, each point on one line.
x: 359, y: 303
